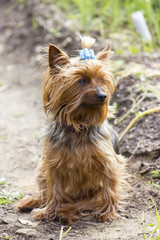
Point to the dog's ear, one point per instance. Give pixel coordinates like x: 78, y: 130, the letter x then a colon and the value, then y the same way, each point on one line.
x: 57, y: 57
x: 104, y: 54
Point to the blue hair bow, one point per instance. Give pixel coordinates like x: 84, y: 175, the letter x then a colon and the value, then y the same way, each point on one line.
x: 86, y: 54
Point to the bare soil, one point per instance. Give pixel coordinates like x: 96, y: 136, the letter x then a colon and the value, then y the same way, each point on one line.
x: 22, y: 118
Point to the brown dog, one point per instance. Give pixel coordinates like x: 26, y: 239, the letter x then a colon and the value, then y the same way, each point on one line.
x: 80, y: 172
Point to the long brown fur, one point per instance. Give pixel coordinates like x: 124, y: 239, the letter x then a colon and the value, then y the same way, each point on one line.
x: 80, y: 172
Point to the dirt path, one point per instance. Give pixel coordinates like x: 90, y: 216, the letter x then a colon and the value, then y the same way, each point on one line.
x: 21, y: 121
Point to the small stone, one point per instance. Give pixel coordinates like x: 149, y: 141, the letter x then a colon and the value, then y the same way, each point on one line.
x: 25, y: 222
x: 51, y: 236
x: 4, y: 221
x: 27, y: 231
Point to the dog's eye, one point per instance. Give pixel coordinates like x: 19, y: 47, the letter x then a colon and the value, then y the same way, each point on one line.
x: 83, y: 81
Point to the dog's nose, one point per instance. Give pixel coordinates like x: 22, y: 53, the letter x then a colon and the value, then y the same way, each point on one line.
x: 101, y: 95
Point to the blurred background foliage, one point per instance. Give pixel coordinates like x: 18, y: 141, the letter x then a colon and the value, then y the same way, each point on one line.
x: 109, y: 17
x: 113, y: 15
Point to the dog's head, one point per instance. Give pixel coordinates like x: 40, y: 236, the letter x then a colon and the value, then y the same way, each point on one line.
x: 77, y: 91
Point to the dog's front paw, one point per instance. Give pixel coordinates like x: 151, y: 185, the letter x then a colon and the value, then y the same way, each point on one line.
x: 102, y: 218
x: 43, y: 213
x: 27, y: 204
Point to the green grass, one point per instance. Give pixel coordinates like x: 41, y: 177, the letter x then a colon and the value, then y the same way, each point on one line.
x: 155, y: 232
x: 62, y: 235
x: 154, y: 184
x: 156, y: 174
x: 6, y: 238
x: 8, y: 197
x: 112, y: 15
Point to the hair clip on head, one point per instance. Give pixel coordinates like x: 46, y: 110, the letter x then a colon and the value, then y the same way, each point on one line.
x: 91, y: 53
x: 86, y: 54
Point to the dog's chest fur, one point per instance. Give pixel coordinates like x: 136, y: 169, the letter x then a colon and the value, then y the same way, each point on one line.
x: 62, y: 136
x: 65, y: 136
x: 69, y: 148
x: 77, y: 157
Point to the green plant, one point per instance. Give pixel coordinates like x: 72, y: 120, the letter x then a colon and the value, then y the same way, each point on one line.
x: 156, y: 174
x: 2, y: 181
x: 134, y: 106
x: 139, y: 115
x: 8, y: 238
x: 34, y: 23
x: 9, y: 197
x: 114, y: 16
x: 62, y: 235
x: 155, y: 234
x: 21, y: 2
x: 154, y: 184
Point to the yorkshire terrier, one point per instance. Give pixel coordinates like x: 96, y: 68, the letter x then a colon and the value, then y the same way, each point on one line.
x: 81, y: 172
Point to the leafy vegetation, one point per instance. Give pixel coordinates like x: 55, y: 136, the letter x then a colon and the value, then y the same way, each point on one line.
x: 9, y: 197
x: 156, y: 174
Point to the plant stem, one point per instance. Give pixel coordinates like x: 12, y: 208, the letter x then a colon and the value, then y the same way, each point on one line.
x: 152, y: 110
x: 131, y: 109
x: 61, y: 232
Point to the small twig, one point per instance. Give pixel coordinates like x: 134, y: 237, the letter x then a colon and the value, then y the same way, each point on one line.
x: 61, y: 233
x: 136, y: 118
x: 131, y: 109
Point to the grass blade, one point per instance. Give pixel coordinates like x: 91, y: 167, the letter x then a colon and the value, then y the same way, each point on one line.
x: 150, y: 238
x: 66, y: 232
